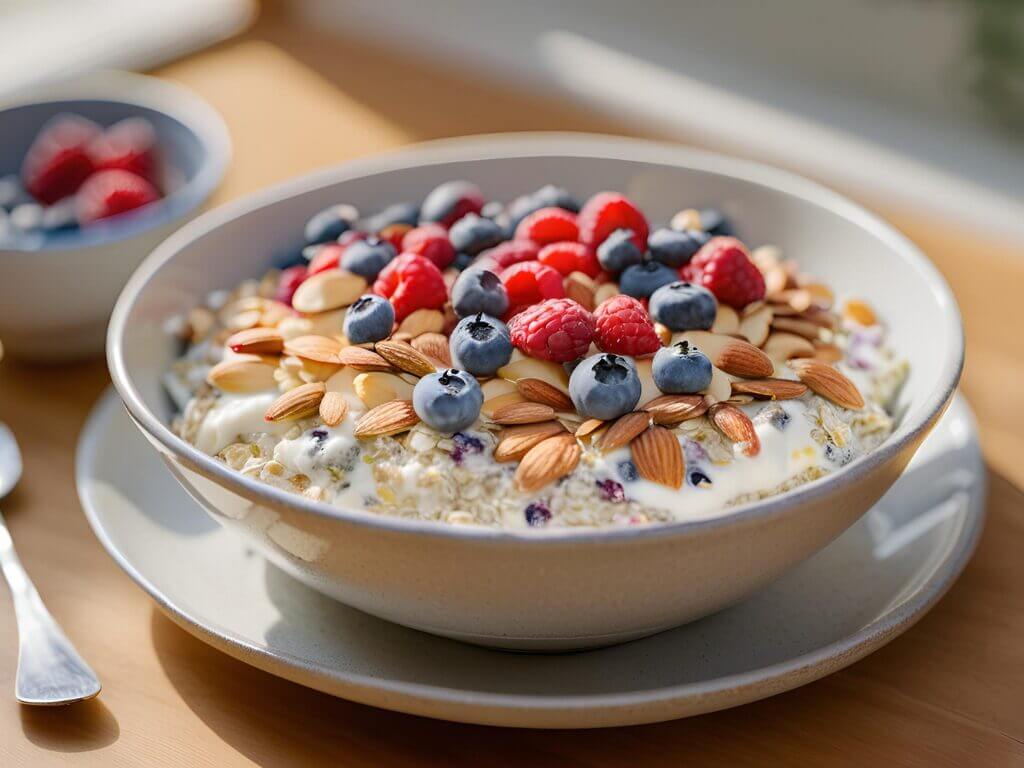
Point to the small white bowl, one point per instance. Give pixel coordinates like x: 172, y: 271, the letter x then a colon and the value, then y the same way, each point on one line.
x: 57, y: 290
x: 553, y: 589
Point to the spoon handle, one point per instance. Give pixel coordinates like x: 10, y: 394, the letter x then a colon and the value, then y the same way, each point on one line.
x: 50, y: 671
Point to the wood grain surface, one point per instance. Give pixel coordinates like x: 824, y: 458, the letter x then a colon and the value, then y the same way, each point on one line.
x: 948, y: 692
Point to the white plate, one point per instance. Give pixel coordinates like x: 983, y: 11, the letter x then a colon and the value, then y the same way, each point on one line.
x: 865, y: 588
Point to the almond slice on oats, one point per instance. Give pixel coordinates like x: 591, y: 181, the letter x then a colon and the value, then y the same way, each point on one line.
x: 784, y: 346
x: 330, y: 289
x: 434, y: 346
x: 523, y: 413
x: 319, y: 349
x: 539, y: 391
x: 378, y: 387
x: 588, y: 427
x: 669, y: 410
x: 243, y: 373
x: 828, y: 382
x: 741, y: 358
x: 546, y: 462
x: 405, y: 357
x: 727, y: 321
x: 256, y: 341
x: 422, y: 321
x: 770, y: 389
x: 623, y: 430
x: 514, y: 442
x: 389, y: 418
x: 720, y: 388
x: 658, y: 457
x: 755, y: 324
x: 303, y: 400
x: 736, y: 426
x: 797, y: 325
x: 363, y: 359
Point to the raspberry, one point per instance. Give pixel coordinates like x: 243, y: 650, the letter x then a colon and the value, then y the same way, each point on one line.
x: 289, y: 280
x: 548, y: 225
x: 607, y: 211
x: 108, y: 193
x: 566, y: 257
x: 530, y: 282
x: 58, y: 162
x: 411, y: 282
x: 431, y: 241
x: 625, y: 328
x: 512, y: 252
x: 329, y: 256
x: 559, y: 330
x: 129, y: 145
x: 723, y: 266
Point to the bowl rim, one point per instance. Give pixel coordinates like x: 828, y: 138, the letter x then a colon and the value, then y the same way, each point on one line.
x: 915, y: 424
x: 163, y: 96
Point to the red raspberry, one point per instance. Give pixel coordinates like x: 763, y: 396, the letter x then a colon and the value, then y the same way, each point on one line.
x: 625, y: 328
x: 548, y: 225
x: 564, y: 256
x: 395, y: 234
x: 530, y: 282
x: 512, y: 252
x: 559, y: 330
x: 108, y: 193
x: 329, y: 256
x: 59, y: 161
x: 411, y: 282
x: 723, y: 266
x: 289, y: 280
x: 607, y: 211
x: 430, y: 240
x: 129, y: 145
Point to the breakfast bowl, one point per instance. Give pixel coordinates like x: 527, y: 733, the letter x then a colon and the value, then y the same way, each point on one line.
x: 559, y: 588
x: 59, y: 285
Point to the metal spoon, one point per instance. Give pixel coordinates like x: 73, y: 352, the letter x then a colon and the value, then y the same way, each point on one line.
x: 50, y: 671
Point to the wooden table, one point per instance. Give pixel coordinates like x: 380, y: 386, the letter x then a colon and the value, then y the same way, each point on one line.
x: 949, y: 692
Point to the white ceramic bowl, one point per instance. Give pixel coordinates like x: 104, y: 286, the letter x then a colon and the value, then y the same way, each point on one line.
x: 556, y: 589
x: 57, y: 290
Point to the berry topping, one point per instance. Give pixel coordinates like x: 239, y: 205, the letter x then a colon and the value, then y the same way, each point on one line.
x: 367, y: 257
x: 290, y: 279
x: 537, y: 514
x: 465, y: 445
x: 548, y: 225
x: 58, y: 162
x: 619, y: 251
x: 324, y: 257
x: 330, y: 224
x: 684, y: 307
x: 715, y: 223
x: 611, y: 490
x: 370, y: 319
x: 531, y: 282
x: 512, y: 252
x: 108, y: 193
x: 641, y: 280
x: 607, y: 211
x: 605, y: 387
x: 399, y: 213
x: 623, y: 327
x: 448, y: 401
x: 559, y: 330
x: 394, y: 234
x: 480, y: 345
x: 472, y: 234
x: 128, y: 145
x: 13, y: 192
x: 411, y: 282
x: 627, y: 471
x: 548, y: 196
x: 451, y: 201
x: 568, y: 257
x: 723, y: 266
x: 681, y: 369
x: 672, y: 248
x: 431, y: 241
x: 479, y: 290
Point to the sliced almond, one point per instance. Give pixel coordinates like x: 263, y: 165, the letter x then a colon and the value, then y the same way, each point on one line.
x: 580, y: 288
x: 658, y: 457
x: 539, y: 391
x: 798, y: 326
x: 686, y: 220
x: 711, y: 344
x: 330, y: 289
x: 859, y: 312
x: 199, y: 322
x: 720, y: 388
x: 826, y: 353
x: 669, y: 410
x: 243, y: 373
x: 737, y: 426
x: 741, y: 358
x: 828, y: 382
x: 405, y: 357
x: 727, y: 321
x: 775, y: 279
x: 515, y: 442
x: 256, y: 341
x: 588, y: 427
x: 522, y: 367
x: 389, y: 418
x: 422, y: 321
x: 377, y: 387
x: 523, y: 413
x: 755, y: 324
x: 664, y: 334
x: 623, y: 430
x: 546, y: 462
x: 434, y: 346
x: 821, y: 295
x: 363, y: 359
x: 604, y: 292
x: 319, y: 349
x: 771, y: 389
x: 645, y: 372
x: 296, y: 403
x: 798, y: 299
x: 784, y: 346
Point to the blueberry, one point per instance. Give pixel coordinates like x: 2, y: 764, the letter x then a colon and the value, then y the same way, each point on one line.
x: 330, y: 223
x: 611, y: 490
x: 537, y: 514
x: 60, y: 216
x: 369, y: 319
x: 773, y: 414
x: 698, y: 479
x: 681, y: 369
x: 399, y: 213
x: 465, y: 445
x: 480, y: 345
x: 451, y: 201
x: 618, y: 251
x: 641, y: 280
x: 13, y: 192
x: 684, y: 307
x: 605, y: 386
x: 449, y: 401
x: 627, y: 471
x: 462, y: 261
x: 367, y: 257
x: 492, y: 210
x: 27, y: 217
x: 472, y: 234
x: 479, y: 290
x: 673, y: 248
x: 714, y: 222
x: 550, y: 196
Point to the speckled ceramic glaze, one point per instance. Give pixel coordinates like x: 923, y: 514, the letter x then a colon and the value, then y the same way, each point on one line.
x: 556, y: 589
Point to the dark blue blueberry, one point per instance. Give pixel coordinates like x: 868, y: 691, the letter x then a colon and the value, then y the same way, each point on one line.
x: 330, y: 223
x: 492, y: 210
x: 286, y: 259
x: 537, y: 515
x: 451, y: 201
x: 641, y: 280
x: 611, y: 490
x: 681, y: 369
x: 627, y: 471
x: 13, y: 192
x: 618, y: 251
x: 773, y: 414
x: 472, y: 234
x: 715, y: 223
x: 698, y: 479
x: 683, y: 306
x: 27, y: 217
x: 367, y: 257
x: 60, y: 216
x: 480, y: 344
x: 465, y: 445
x: 369, y: 319
x: 479, y: 290
x: 605, y: 386
x: 550, y: 196
x: 673, y: 248
x: 319, y: 434
x: 448, y: 401
x: 463, y: 261
x: 399, y: 213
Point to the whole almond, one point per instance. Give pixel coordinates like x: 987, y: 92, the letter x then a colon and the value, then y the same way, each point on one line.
x: 658, y: 457
x: 422, y: 321
x: 243, y: 373
x: 434, y: 346
x: 669, y: 410
x: 771, y: 389
x: 330, y: 289
x: 736, y: 426
x: 741, y: 358
x: 363, y: 359
x: 319, y: 349
x: 523, y: 413
x: 514, y: 442
x: 389, y: 418
x: 623, y: 430
x: 539, y: 391
x: 334, y: 406
x: 405, y: 357
x: 546, y: 462
x: 303, y: 400
x: 256, y: 341
x: 828, y: 382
